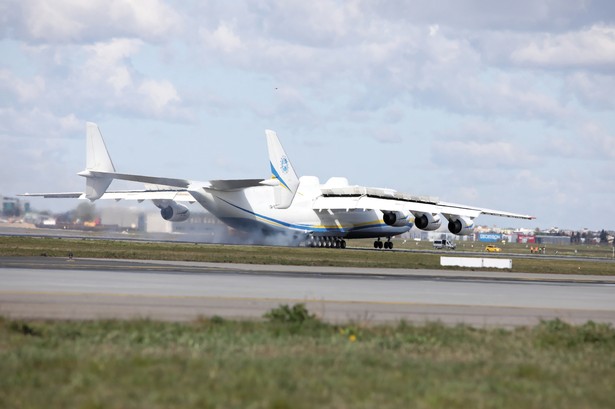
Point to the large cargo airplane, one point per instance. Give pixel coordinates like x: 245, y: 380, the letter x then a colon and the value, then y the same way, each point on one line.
x: 300, y: 209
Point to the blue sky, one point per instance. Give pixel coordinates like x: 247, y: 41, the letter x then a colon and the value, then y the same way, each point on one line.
x: 498, y: 105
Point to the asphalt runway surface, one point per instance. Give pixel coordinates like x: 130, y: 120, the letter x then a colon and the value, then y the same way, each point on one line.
x: 58, y: 288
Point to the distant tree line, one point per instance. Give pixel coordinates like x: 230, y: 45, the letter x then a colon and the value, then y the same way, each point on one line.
x: 589, y: 237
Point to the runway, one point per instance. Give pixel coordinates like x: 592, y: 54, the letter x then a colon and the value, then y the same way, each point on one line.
x: 58, y: 288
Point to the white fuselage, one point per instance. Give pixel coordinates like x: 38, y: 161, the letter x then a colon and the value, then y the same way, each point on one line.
x: 252, y: 209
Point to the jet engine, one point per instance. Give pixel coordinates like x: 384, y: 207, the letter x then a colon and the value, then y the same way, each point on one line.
x: 395, y: 219
x: 173, y: 212
x: 427, y: 221
x: 460, y: 225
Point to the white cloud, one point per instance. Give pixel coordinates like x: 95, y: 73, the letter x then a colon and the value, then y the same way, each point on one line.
x: 68, y: 21
x: 37, y: 123
x: 160, y: 95
x: 386, y: 135
x: 592, y: 47
x: 107, y: 64
x: 24, y: 91
x: 223, y: 38
x: 480, y: 154
x: 599, y: 143
x: 594, y: 90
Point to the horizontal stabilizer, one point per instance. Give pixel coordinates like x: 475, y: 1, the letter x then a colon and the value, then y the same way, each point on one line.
x: 62, y: 195
x: 183, y: 183
x: 234, y: 184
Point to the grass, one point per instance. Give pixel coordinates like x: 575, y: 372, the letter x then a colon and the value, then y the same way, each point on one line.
x: 215, y: 363
x: 56, y: 247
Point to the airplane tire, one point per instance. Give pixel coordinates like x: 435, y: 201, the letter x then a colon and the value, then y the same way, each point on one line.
x: 343, y: 244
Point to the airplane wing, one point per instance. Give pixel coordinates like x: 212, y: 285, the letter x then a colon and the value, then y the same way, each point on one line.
x: 364, y: 198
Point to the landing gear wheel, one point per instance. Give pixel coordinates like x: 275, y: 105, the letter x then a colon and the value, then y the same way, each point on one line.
x: 343, y: 244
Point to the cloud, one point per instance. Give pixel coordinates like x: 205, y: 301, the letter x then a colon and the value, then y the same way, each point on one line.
x: 521, y: 15
x: 594, y: 90
x: 386, y: 135
x: 73, y: 21
x: 597, y: 142
x: 37, y: 123
x: 160, y: 95
x: 98, y: 77
x: 593, y: 47
x: 477, y: 144
x: 480, y: 155
x: 223, y: 38
x: 23, y: 91
x: 107, y: 64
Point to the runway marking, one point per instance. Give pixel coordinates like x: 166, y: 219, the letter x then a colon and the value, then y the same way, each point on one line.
x: 282, y: 299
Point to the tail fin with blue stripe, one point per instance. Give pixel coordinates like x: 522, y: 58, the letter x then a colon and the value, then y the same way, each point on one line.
x: 282, y: 170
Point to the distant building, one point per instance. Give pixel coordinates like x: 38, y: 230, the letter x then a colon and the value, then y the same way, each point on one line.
x: 150, y: 221
x: 540, y: 239
x: 14, y: 207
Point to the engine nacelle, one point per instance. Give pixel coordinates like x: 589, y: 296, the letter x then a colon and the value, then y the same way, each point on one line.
x: 427, y: 221
x: 174, y: 212
x: 460, y: 225
x: 395, y: 219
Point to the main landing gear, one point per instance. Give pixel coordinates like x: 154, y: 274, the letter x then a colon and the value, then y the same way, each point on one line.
x: 388, y: 245
x: 326, y: 241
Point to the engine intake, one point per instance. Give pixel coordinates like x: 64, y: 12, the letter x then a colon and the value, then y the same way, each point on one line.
x: 460, y: 225
x: 174, y: 212
x: 395, y: 219
x: 427, y: 221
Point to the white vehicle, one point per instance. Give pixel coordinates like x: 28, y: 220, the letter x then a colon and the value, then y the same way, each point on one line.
x: 440, y: 244
x: 300, y: 208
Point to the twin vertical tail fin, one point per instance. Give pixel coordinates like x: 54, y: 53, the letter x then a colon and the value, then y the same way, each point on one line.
x: 97, y: 160
x: 282, y: 170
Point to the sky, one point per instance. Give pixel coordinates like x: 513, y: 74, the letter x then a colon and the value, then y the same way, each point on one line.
x: 502, y: 105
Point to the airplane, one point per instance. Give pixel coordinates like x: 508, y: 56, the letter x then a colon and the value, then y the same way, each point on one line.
x: 299, y: 208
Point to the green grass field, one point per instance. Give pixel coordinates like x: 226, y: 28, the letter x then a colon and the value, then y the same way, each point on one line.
x: 54, y: 247
x: 213, y: 363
